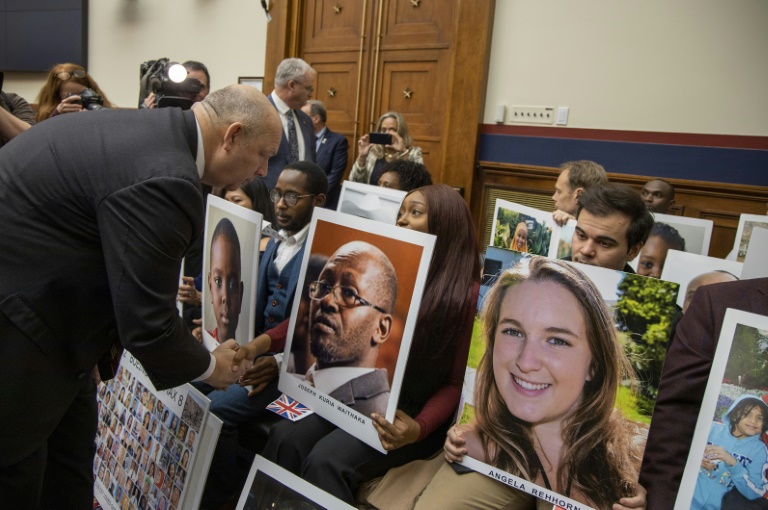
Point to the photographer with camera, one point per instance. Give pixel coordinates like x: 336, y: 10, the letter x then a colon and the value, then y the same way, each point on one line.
x: 390, y: 141
x: 195, y: 87
x: 69, y: 88
x: 16, y: 116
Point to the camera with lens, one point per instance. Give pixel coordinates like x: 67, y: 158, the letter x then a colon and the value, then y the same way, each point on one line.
x: 170, y: 84
x: 91, y: 100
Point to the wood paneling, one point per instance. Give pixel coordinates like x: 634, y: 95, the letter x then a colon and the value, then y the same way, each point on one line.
x: 375, y: 53
x: 721, y: 203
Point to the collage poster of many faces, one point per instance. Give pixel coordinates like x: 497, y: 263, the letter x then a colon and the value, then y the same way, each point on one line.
x: 145, y: 442
x: 548, y: 361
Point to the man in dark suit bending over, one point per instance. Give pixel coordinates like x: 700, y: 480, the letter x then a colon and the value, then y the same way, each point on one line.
x: 294, y: 84
x: 97, y: 213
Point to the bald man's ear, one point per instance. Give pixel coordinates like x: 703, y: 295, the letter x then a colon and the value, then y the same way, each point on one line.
x: 383, y: 330
x: 578, y: 191
x: 319, y: 200
x: 233, y: 131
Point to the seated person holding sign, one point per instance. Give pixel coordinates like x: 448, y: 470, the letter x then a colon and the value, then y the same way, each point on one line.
x: 300, y: 188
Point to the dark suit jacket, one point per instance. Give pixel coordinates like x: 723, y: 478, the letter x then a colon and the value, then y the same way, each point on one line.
x: 279, y: 160
x: 97, y: 210
x: 366, y: 394
x: 332, y: 158
x: 684, y: 380
x: 261, y: 285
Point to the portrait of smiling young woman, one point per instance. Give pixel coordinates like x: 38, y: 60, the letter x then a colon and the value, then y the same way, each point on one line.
x: 544, y: 397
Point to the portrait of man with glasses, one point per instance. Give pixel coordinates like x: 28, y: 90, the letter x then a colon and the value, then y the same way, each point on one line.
x: 350, y: 316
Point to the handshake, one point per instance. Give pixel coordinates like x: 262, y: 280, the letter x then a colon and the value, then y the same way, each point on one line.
x: 232, y: 360
x: 234, y: 364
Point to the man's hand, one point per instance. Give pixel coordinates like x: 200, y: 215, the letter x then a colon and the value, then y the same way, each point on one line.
x: 256, y: 347
x: 149, y: 101
x: 227, y: 371
x: 405, y: 430
x: 561, y: 217
x: 263, y: 371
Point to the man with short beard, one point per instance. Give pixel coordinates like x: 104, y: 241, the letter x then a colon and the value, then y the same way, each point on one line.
x: 347, y: 329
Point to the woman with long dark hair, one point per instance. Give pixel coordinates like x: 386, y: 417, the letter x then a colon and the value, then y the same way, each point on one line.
x: 337, y: 462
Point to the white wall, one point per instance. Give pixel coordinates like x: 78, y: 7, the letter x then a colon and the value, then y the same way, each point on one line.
x: 693, y: 66
x: 228, y: 36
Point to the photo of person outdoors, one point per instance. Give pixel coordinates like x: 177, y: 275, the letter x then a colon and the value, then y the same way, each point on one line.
x: 544, y: 397
x: 727, y: 464
x: 520, y: 238
x: 735, y: 455
x: 520, y: 228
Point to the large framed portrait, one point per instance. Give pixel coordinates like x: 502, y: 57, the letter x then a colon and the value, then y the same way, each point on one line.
x: 754, y: 262
x: 230, y: 270
x: 352, y: 320
x: 728, y: 461
x: 533, y: 377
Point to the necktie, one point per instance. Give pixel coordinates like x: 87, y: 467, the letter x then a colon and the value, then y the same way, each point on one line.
x: 293, y: 141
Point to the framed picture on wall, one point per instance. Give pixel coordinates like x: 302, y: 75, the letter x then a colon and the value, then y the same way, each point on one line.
x: 253, y: 81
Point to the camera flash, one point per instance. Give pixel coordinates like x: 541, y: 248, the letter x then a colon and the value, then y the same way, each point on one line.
x: 177, y: 73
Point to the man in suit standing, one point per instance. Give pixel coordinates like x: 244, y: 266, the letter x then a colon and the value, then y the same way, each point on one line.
x: 98, y: 212
x: 684, y: 380
x: 331, y: 150
x: 294, y: 84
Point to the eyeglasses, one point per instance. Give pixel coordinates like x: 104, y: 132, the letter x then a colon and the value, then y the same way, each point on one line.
x: 66, y: 75
x: 347, y: 298
x: 310, y: 88
x: 291, y: 197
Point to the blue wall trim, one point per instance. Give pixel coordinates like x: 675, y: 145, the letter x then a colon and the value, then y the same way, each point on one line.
x: 735, y: 166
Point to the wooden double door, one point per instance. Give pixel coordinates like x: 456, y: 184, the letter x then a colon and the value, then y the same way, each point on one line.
x: 426, y: 59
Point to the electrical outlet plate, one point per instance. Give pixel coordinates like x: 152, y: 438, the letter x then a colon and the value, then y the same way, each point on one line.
x: 531, y: 114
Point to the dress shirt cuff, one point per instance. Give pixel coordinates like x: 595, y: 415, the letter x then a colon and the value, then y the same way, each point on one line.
x: 209, y: 372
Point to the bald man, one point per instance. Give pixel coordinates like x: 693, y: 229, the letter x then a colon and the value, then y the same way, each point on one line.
x: 350, y: 317
x: 90, y: 261
x: 703, y: 280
